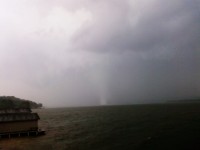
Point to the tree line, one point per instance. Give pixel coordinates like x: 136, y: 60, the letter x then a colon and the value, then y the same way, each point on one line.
x: 7, y: 102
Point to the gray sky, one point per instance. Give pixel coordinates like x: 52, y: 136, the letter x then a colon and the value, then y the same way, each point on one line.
x: 94, y: 52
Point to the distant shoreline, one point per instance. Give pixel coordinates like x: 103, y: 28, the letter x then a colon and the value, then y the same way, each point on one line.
x: 184, y: 101
x: 124, y: 105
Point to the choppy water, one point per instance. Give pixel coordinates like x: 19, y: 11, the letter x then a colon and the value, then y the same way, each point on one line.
x: 116, y: 128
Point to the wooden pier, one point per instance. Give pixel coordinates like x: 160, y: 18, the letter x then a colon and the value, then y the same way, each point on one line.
x: 22, y: 134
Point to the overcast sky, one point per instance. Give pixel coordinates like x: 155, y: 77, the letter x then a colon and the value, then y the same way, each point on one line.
x: 96, y: 52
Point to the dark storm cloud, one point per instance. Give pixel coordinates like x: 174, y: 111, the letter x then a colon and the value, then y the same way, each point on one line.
x: 88, y: 52
x: 162, y: 25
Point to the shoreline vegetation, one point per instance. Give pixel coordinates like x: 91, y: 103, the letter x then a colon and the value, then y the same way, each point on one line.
x: 7, y: 102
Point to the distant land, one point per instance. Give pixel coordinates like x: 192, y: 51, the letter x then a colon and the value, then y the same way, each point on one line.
x: 7, y: 102
x: 185, y: 101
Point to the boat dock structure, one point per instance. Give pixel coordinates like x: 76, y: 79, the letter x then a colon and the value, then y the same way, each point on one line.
x: 19, y: 122
x: 22, y: 134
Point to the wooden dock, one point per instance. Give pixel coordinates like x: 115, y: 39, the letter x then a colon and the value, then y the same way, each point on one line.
x: 22, y: 134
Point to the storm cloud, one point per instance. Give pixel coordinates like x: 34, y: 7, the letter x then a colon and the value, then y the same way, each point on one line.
x: 86, y: 52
